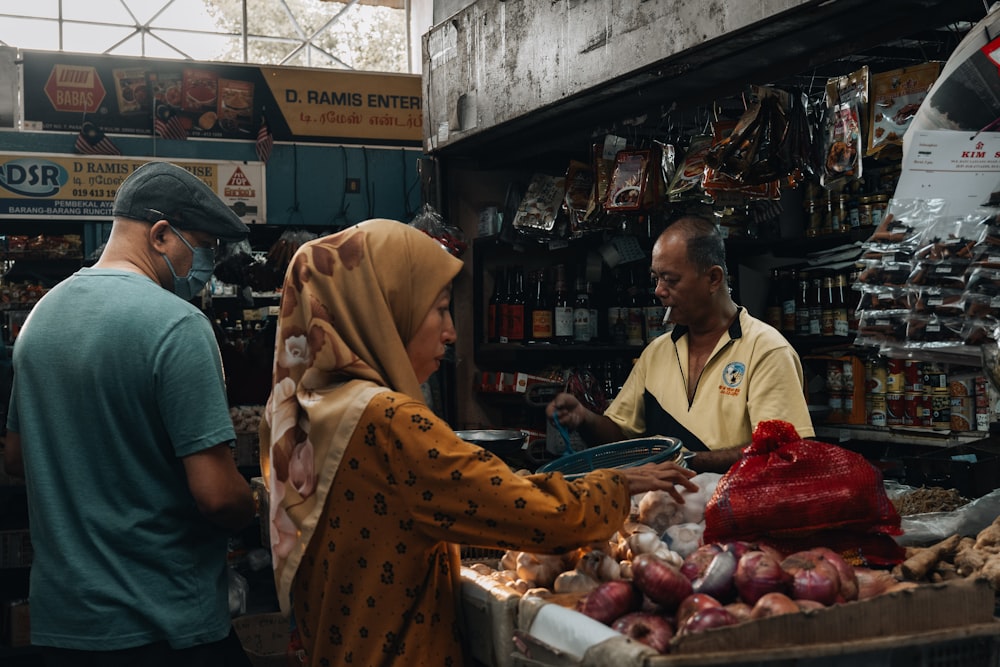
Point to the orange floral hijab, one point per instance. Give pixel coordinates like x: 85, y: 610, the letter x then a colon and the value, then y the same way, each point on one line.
x: 350, y: 303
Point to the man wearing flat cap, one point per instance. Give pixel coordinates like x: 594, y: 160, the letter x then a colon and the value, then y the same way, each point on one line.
x: 118, y: 420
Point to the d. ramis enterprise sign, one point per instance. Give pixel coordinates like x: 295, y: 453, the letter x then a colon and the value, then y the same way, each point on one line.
x: 53, y: 186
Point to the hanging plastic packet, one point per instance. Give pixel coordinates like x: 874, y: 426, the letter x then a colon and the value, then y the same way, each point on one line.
x: 537, y: 212
x: 430, y: 222
x: 579, y: 195
x: 846, y: 103
x: 896, y: 97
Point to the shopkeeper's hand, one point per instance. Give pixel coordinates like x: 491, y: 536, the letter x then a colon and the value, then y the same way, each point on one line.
x: 666, y: 476
x: 568, y: 409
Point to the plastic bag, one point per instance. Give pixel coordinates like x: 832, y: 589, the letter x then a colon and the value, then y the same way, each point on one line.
x: 429, y: 221
x: 795, y: 493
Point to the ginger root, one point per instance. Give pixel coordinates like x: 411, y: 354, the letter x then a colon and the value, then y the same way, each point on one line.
x: 917, y: 566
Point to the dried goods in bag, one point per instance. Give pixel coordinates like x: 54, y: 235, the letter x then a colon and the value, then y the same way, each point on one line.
x: 846, y: 103
x: 794, y: 492
x: 895, y: 98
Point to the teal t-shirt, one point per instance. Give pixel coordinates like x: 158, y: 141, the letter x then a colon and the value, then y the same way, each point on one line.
x: 115, y: 380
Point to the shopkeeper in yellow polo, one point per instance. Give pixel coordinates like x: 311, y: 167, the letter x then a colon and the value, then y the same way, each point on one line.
x: 710, y: 380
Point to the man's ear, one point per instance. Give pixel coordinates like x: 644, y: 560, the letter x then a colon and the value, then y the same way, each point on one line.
x: 158, y: 235
x: 716, y: 277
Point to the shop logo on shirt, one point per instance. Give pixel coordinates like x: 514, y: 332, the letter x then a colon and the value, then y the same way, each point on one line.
x: 732, y: 378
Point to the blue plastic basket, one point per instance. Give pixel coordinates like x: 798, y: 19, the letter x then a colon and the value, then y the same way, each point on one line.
x: 621, y: 454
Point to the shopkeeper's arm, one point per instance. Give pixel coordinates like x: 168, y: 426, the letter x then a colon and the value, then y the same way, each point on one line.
x: 13, y: 463
x: 221, y: 492
x: 716, y: 460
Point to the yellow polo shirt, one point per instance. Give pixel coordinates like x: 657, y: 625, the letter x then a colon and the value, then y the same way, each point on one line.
x: 753, y: 375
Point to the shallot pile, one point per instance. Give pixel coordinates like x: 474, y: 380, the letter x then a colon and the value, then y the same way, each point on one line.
x: 725, y: 584
x: 654, y: 579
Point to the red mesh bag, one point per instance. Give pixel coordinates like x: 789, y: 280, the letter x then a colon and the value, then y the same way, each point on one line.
x: 787, y: 490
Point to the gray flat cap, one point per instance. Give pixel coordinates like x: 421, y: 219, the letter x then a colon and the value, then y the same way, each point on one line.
x: 160, y: 190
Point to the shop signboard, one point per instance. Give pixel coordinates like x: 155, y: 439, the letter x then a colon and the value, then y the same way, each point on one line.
x: 8, y: 86
x: 349, y: 104
x: 43, y: 186
x: 124, y: 95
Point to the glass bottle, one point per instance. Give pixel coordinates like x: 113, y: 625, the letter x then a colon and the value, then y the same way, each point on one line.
x: 563, y: 309
x: 541, y: 310
x: 802, y: 311
x: 615, y: 298
x: 789, y: 281
x: 595, y: 324
x: 772, y: 312
x: 493, y: 315
x: 503, y: 326
x: 815, y: 305
x: 826, y: 302
x: 516, y: 308
x: 841, y: 319
x: 636, y: 314
x: 581, y: 313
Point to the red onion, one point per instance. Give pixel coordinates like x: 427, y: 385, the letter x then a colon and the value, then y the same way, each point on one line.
x: 660, y: 581
x: 649, y: 628
x: 845, y: 571
x: 739, y: 548
x: 610, y: 600
x: 717, y: 580
x: 698, y: 561
x: 712, y: 617
x: 740, y: 610
x: 813, y: 577
x: 773, y: 604
x: 694, y: 603
x: 809, y: 605
x: 757, y: 573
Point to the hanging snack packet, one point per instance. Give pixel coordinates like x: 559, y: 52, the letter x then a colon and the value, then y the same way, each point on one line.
x: 846, y: 100
x: 896, y: 97
x: 687, y: 180
x: 536, y: 214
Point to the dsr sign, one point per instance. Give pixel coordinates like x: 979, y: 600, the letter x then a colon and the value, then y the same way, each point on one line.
x: 75, y: 88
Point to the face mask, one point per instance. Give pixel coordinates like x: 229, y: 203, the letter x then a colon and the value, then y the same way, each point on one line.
x: 202, y: 266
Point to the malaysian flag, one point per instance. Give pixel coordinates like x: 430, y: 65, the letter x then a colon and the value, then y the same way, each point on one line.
x: 264, y: 141
x: 167, y: 124
x: 93, y: 141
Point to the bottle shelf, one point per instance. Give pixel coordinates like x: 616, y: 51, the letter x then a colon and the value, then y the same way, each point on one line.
x: 839, y: 433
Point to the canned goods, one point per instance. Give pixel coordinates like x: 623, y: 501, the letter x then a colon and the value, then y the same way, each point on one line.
x: 962, y: 385
x: 834, y: 376
x: 848, y: 374
x: 877, y: 414
x: 836, y: 403
x: 878, y: 378
x: 982, y: 392
x: 982, y: 405
x: 894, y: 409
x: 962, y: 417
x: 912, y: 410
x: 940, y: 417
x: 934, y: 378
x: 895, y: 379
x: 913, y: 377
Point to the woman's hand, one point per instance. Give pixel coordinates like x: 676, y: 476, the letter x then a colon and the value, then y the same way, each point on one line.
x: 665, y: 476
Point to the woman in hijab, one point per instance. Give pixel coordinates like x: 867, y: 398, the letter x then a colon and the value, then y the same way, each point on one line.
x: 370, y: 491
